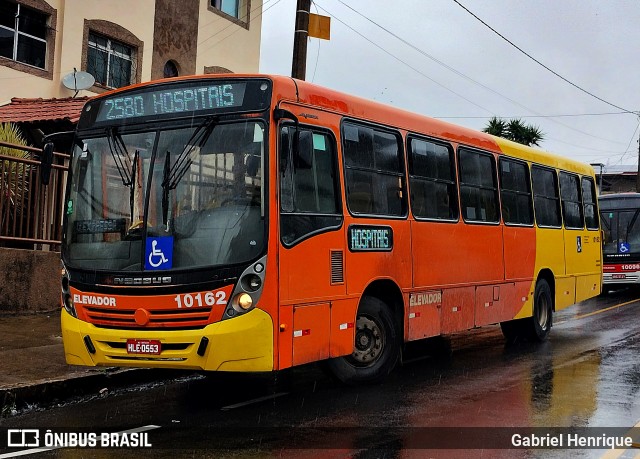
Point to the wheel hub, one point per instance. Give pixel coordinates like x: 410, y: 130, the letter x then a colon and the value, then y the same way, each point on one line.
x: 542, y: 313
x: 369, y: 341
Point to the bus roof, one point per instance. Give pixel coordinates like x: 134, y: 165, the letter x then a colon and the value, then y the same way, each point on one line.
x: 336, y: 101
x: 619, y: 201
x: 299, y: 91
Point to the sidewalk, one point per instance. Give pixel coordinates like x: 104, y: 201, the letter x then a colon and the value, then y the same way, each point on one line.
x: 33, y: 368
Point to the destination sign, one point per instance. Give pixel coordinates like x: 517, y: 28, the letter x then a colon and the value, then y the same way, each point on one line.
x: 100, y: 226
x: 172, y: 100
x: 369, y: 238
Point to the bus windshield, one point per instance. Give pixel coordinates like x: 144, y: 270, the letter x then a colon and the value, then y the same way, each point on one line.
x: 621, y: 232
x: 199, y: 188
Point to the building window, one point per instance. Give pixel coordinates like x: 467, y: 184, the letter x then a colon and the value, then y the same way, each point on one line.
x: 23, y: 34
x: 109, y: 61
x: 170, y: 70
x: 230, y: 7
x: 236, y: 10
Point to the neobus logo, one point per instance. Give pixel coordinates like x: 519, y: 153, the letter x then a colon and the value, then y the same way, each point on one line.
x: 141, y: 280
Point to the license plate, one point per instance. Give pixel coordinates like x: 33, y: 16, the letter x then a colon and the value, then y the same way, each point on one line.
x: 143, y: 346
x: 618, y: 276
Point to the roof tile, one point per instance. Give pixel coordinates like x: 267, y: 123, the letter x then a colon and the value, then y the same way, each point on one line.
x: 21, y: 110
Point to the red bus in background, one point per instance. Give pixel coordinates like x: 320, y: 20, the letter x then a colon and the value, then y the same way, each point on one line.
x: 621, y: 250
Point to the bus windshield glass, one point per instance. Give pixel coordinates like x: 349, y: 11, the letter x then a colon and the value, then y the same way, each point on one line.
x: 168, y: 198
x: 621, y: 233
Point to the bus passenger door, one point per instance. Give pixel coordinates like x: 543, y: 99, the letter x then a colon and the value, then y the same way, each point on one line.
x: 311, y: 245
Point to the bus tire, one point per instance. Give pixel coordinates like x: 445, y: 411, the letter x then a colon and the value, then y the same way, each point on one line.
x: 540, y: 322
x: 512, y: 330
x: 376, y: 347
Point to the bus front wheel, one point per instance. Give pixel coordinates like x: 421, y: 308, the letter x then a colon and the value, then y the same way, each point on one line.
x: 376, y: 345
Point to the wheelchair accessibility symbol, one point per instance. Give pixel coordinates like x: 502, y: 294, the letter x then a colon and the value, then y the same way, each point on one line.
x: 623, y: 247
x: 159, y: 253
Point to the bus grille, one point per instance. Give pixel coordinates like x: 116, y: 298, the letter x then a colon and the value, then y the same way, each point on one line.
x: 163, y: 318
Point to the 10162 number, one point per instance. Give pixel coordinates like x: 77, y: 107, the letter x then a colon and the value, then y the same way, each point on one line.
x: 189, y: 300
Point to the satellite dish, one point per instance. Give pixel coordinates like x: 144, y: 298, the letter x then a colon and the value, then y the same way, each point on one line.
x: 77, y: 81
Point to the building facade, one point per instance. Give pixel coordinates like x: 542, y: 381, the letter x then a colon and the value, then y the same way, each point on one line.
x: 121, y: 42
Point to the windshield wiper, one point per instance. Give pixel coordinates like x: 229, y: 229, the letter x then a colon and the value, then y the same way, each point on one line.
x: 134, y: 173
x: 120, y: 155
x: 183, y: 161
x: 172, y: 175
x: 165, y: 188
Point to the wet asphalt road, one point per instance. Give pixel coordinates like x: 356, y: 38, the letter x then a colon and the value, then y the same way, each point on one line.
x: 586, y: 375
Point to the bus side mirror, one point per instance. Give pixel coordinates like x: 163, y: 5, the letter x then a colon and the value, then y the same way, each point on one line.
x: 46, y: 160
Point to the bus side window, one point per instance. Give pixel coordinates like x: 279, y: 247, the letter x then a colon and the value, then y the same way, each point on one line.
x: 515, y: 190
x: 571, y: 201
x: 432, y: 180
x: 589, y: 203
x: 309, y: 197
x: 478, y: 186
x: 374, y: 171
x: 546, y: 198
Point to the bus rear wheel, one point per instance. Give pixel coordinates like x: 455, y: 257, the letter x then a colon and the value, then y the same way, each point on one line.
x: 536, y: 327
x: 542, y: 312
x: 376, y: 345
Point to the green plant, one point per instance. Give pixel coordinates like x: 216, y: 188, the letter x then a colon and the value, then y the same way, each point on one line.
x: 516, y: 130
x: 14, y: 182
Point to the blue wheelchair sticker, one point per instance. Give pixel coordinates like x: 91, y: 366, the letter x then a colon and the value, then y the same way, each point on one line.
x: 159, y: 253
x: 623, y: 247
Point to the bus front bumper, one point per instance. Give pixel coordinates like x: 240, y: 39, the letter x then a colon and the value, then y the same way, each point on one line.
x: 243, y: 344
x: 622, y: 279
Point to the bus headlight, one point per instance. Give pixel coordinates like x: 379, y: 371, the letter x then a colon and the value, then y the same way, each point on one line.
x: 69, y: 306
x: 251, y: 282
x: 67, y: 302
x: 242, y: 302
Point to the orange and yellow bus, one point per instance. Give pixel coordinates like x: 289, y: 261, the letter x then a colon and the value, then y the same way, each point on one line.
x: 253, y: 223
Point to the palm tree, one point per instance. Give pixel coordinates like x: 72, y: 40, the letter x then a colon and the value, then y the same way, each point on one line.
x: 516, y: 130
x: 497, y: 127
x: 14, y: 179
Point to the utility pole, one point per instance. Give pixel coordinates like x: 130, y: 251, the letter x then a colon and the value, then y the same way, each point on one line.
x: 299, y: 65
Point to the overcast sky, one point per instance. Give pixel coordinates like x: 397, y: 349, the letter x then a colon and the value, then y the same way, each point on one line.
x: 457, y: 69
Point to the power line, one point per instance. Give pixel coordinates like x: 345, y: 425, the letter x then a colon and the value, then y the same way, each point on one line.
x: 231, y: 24
x: 236, y: 30
x: 400, y: 60
x: 540, y: 63
x: 315, y: 67
x: 448, y: 67
x: 535, y: 116
x: 630, y: 141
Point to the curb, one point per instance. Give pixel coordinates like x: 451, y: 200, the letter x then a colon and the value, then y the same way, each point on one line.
x: 15, y: 400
